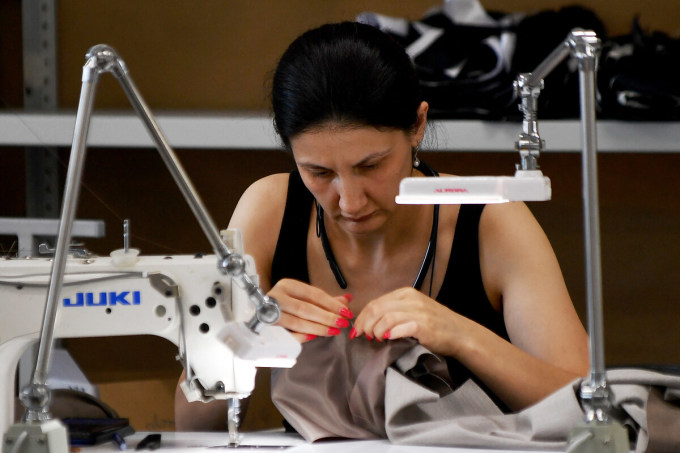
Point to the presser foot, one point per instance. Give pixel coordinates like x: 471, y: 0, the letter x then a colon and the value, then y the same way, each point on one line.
x: 45, y: 436
x: 598, y: 437
x: 233, y: 420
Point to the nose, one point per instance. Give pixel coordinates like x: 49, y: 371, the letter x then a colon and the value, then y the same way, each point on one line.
x: 352, y: 197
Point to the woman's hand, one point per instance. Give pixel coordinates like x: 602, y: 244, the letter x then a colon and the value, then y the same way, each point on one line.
x: 407, y: 312
x: 309, y: 312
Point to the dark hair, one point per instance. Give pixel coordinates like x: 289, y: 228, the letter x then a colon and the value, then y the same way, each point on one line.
x: 348, y: 73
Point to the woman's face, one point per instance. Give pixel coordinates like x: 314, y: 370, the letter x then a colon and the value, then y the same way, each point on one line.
x: 354, y: 171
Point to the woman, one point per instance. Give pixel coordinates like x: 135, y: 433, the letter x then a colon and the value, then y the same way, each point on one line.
x: 479, y: 285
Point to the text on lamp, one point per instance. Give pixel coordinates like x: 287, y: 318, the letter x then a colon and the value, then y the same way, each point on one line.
x: 451, y: 190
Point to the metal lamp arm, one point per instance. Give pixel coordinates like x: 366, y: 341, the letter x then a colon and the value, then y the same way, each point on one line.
x: 229, y: 263
x: 584, y: 46
x: 102, y: 58
x: 528, y: 87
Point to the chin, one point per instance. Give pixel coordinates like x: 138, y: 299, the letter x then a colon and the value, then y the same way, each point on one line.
x: 367, y: 226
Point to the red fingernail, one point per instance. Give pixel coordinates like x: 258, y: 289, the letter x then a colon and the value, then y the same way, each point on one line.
x: 369, y: 338
x: 348, y: 297
x: 346, y: 313
x: 386, y: 335
x: 342, y: 322
x: 333, y: 331
x: 352, y: 333
x: 310, y: 337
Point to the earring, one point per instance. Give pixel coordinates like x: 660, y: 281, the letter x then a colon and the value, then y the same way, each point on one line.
x: 416, y: 161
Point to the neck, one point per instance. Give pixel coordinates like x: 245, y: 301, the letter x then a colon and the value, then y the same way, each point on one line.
x: 376, y: 249
x: 392, y: 233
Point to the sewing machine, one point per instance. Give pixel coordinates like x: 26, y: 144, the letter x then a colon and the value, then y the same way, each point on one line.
x: 184, y: 299
x: 211, y: 307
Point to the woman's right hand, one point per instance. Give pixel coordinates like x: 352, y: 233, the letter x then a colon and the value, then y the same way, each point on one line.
x: 309, y: 312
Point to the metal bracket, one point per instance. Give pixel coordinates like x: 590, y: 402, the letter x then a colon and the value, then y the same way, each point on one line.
x: 40, y: 93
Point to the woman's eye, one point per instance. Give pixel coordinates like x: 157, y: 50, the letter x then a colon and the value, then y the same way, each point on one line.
x: 319, y: 173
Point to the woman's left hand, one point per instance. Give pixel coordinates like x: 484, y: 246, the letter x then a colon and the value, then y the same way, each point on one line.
x: 406, y: 312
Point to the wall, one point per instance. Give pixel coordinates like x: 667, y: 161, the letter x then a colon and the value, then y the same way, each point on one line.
x: 215, y: 54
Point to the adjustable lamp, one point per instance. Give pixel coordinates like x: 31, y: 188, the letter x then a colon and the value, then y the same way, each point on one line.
x: 598, y: 433
x: 39, y: 432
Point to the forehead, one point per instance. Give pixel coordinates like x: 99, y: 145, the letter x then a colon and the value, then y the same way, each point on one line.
x: 345, y: 139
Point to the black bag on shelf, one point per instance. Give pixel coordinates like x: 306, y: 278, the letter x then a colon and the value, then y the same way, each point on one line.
x: 467, y: 66
x: 537, y: 36
x: 639, y: 77
x: 462, y: 56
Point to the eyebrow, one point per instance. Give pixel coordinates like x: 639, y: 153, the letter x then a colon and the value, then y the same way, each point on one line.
x: 376, y: 155
x: 370, y: 157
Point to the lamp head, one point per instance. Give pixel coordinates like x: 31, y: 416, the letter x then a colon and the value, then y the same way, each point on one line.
x: 526, y: 185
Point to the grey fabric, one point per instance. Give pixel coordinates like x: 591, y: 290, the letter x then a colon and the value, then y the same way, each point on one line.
x: 663, y: 421
x: 401, y: 391
x: 337, y: 388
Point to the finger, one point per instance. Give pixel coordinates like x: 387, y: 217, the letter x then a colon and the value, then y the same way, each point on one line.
x: 373, y: 312
x: 304, y: 310
x: 405, y: 330
x: 306, y: 301
x: 313, y: 295
x: 302, y: 337
x: 384, y: 328
x: 346, y: 311
x: 305, y: 327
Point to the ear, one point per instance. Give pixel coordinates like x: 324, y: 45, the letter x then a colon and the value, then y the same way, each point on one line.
x: 421, y: 123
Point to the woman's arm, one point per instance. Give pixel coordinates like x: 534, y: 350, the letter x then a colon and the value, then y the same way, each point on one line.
x: 548, y: 345
x: 521, y: 268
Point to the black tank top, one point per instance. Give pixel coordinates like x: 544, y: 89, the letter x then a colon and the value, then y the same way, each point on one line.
x: 462, y: 289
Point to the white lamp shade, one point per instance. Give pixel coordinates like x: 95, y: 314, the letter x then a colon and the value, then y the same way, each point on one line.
x: 526, y: 185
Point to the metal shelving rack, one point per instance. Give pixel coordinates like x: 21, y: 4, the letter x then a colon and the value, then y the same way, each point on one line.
x: 254, y: 131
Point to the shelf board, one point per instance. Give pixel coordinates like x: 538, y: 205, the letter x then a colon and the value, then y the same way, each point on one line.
x: 229, y: 130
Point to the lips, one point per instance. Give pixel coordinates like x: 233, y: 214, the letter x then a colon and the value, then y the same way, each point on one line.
x: 357, y: 219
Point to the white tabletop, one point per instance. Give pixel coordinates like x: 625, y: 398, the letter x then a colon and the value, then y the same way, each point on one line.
x: 272, y: 441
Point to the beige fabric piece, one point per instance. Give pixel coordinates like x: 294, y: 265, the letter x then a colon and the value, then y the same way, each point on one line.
x: 663, y: 420
x: 337, y: 387
x: 401, y: 391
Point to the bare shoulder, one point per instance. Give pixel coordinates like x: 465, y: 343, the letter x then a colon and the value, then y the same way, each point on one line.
x: 512, y: 246
x: 520, y: 269
x: 258, y: 216
x: 508, y: 220
x: 264, y: 199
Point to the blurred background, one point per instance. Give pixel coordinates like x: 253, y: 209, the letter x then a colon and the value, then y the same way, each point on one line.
x: 216, y: 56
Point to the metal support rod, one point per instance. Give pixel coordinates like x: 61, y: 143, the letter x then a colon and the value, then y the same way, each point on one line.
x: 35, y: 409
x: 102, y: 58
x: 171, y: 161
x: 598, y: 433
x: 551, y: 61
x: 594, y: 392
x: 584, y: 47
x: 232, y: 264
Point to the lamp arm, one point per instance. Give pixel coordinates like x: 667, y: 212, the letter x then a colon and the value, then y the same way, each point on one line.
x: 528, y: 87
x: 595, y: 394
x: 229, y: 263
x: 35, y: 396
x: 584, y: 46
x: 102, y: 58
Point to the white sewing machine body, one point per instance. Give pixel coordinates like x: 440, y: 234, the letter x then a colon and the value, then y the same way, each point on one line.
x: 183, y: 299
